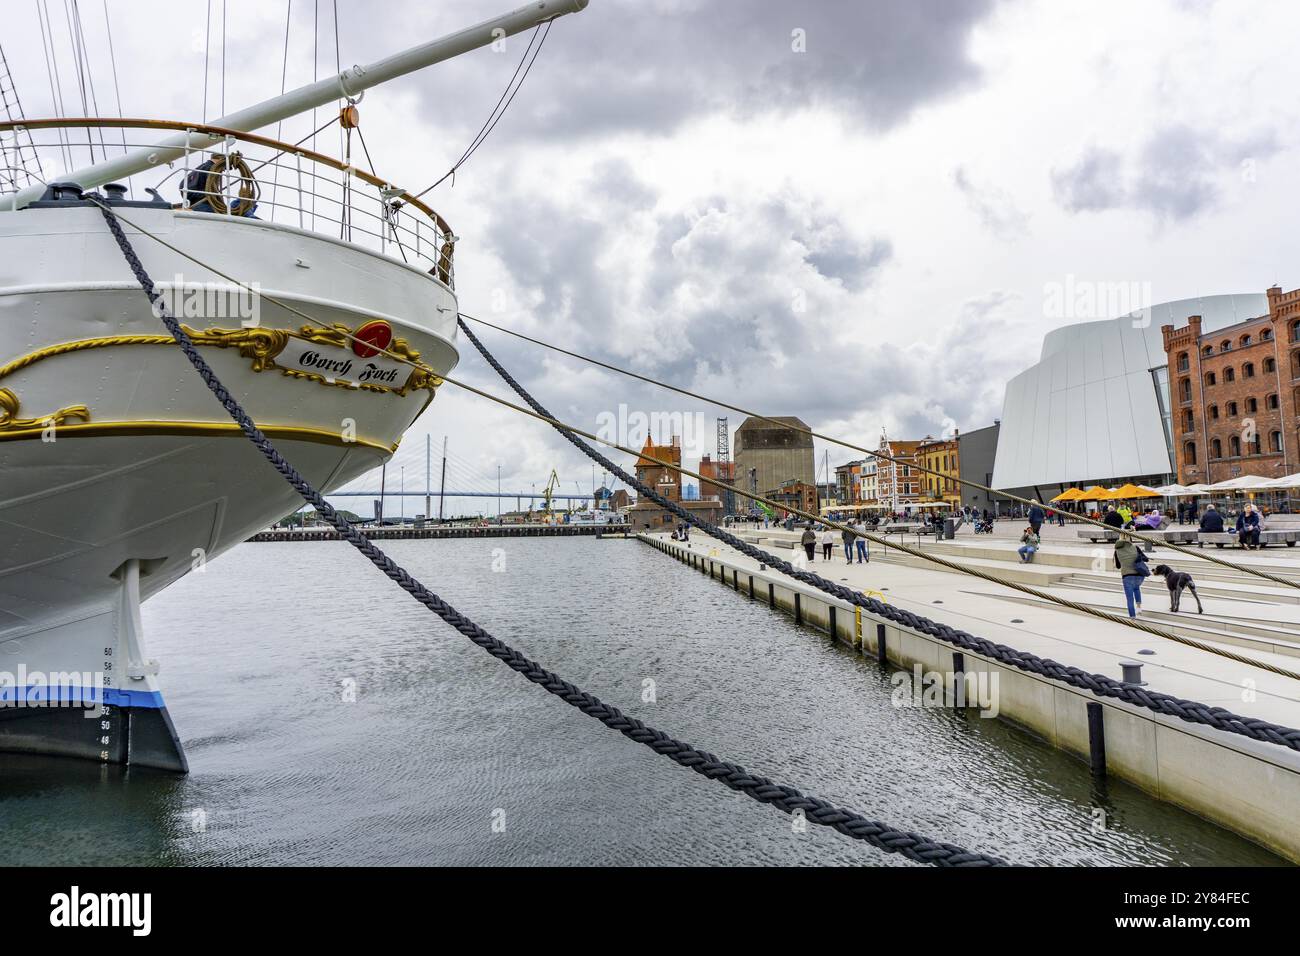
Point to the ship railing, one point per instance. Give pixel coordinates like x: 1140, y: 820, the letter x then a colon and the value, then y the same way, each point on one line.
x: 260, y: 177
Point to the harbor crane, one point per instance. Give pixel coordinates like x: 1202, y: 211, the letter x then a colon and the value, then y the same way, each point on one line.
x: 548, y: 493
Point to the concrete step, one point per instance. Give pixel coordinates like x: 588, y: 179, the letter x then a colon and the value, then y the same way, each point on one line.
x: 1199, y: 626
x: 1251, y: 593
x: 1203, y: 570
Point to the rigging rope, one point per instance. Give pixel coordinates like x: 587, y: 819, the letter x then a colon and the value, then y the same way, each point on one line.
x: 117, y: 90
x: 1191, y: 711
x: 284, y: 75
x: 56, y: 79
x: 485, y: 130
x: 787, y: 799
x: 207, y: 50
x: 1082, y: 519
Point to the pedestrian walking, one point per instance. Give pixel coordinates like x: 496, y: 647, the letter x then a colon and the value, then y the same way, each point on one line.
x: 809, y: 542
x: 1036, y: 516
x: 864, y: 553
x: 1132, y: 564
x: 828, y: 543
x: 847, y: 536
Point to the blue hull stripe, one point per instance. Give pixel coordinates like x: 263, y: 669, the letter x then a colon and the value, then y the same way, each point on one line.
x: 33, y: 696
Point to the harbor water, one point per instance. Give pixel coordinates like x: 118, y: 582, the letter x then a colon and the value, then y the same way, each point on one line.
x: 330, y: 719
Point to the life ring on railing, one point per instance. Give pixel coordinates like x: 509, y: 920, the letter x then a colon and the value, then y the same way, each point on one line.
x: 204, y: 186
x: 443, y: 266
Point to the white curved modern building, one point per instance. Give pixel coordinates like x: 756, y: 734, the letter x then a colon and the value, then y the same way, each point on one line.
x: 1095, y: 409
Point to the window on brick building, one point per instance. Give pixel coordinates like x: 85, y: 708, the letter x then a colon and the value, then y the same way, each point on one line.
x: 1229, y: 374
x: 1266, y: 335
x: 1252, y: 406
x: 1234, y: 447
x: 1209, y: 379
x: 1208, y: 350
x: 1189, y: 420
x: 1248, y: 370
x: 1275, y: 441
x: 1185, y: 389
x: 1225, y: 346
x: 1232, y: 409
x: 1271, y: 403
x: 1183, y: 362
x: 1189, y: 453
x: 1269, y: 365
x: 1256, y: 445
x: 1216, y: 448
x: 1214, y: 412
x: 1244, y: 341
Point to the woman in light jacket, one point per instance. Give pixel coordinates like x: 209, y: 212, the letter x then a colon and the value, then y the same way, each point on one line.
x: 1132, y: 564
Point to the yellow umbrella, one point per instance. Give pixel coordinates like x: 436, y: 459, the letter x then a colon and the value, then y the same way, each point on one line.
x: 1095, y: 493
x: 1134, y: 491
x: 1070, y: 494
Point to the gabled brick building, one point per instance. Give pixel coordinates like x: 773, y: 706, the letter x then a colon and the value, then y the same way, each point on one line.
x: 897, y: 482
x: 1235, y: 394
x: 645, y: 514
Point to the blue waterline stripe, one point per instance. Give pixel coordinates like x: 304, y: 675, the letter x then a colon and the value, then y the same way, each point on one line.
x: 44, y: 696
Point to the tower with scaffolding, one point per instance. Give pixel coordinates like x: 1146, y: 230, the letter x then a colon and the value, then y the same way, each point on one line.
x: 721, y: 470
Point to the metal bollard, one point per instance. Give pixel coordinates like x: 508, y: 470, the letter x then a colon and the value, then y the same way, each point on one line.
x: 1132, y: 673
x: 1096, y: 739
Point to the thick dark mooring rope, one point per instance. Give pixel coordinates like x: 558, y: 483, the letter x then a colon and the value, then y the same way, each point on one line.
x: 815, y: 810
x: 1098, y: 684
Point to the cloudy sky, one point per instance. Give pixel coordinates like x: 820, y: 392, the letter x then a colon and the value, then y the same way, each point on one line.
x: 853, y: 212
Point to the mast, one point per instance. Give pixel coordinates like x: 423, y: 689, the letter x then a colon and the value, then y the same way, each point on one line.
x: 350, y: 83
x: 442, y: 494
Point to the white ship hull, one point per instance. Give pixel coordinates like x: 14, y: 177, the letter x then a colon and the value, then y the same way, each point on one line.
x: 119, y: 471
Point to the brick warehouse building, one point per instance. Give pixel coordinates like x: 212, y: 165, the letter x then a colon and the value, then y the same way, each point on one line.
x: 645, y: 515
x: 1235, y: 394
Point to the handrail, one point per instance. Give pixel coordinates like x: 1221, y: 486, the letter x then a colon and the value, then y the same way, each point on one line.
x: 222, y: 132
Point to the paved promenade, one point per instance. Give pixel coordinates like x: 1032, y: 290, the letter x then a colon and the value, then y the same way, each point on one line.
x: 1243, y: 614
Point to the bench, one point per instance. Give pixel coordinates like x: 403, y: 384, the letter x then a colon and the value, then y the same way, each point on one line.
x: 1221, y: 538
x: 1176, y: 535
x: 1169, y: 536
x: 903, y: 526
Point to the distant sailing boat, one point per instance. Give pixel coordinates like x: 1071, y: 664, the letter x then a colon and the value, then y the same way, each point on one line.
x: 118, y: 472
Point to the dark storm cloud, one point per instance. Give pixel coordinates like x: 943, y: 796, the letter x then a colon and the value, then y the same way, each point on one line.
x: 1175, y: 175
x: 748, y: 298
x: 648, y: 66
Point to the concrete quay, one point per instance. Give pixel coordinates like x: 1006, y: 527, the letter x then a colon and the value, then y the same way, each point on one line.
x: 1248, y: 786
